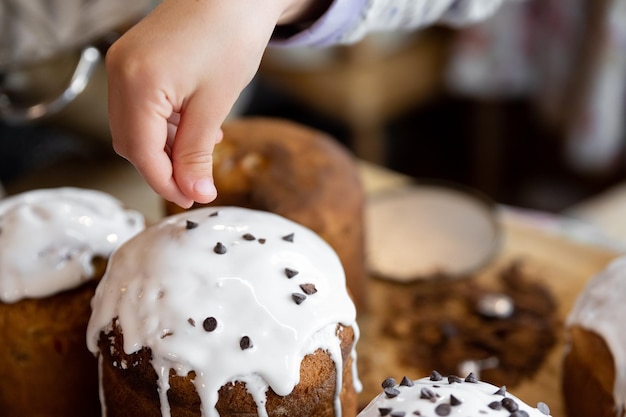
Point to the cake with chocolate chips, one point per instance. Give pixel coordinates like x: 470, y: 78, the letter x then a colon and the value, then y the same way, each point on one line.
x: 54, y: 246
x: 438, y: 396
x: 225, y: 311
x: 299, y: 173
x: 594, y: 378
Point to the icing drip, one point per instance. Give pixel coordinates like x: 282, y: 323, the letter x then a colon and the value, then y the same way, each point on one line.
x: 221, y: 291
x: 49, y: 237
x: 597, y: 308
x: 433, y: 398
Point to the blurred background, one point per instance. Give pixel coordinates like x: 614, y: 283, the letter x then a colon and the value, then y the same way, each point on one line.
x: 527, y: 107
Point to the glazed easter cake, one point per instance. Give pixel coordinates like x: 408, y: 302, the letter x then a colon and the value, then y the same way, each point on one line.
x: 54, y: 245
x: 225, y: 311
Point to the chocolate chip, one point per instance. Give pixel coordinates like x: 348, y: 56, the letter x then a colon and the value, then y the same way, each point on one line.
x: 220, y: 249
x: 213, y: 214
x: 391, y: 392
x: 384, y: 411
x: 398, y: 414
x: 290, y: 273
x: 455, y: 401
x: 453, y: 378
x: 427, y: 394
x: 509, y: 404
x: 501, y: 391
x: 308, y: 289
x: 191, y: 321
x: 406, y: 382
x: 166, y: 334
x: 543, y: 407
x: 248, y: 236
x: 471, y: 378
x: 288, y: 238
x: 298, y: 297
x: 262, y: 241
x: 435, y: 376
x: 417, y: 413
x: 443, y: 410
x: 496, y: 405
x: 389, y: 382
x: 191, y: 225
x: 209, y: 324
x: 245, y: 343
x: 519, y: 413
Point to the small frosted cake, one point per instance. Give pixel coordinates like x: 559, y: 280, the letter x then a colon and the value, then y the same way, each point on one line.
x: 54, y: 245
x: 438, y: 396
x: 225, y: 311
x: 594, y: 369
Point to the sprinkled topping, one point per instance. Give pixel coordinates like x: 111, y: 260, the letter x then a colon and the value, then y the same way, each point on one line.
x: 427, y: 394
x: 455, y: 401
x: 248, y: 236
x: 290, y: 273
x: 262, y: 241
x: 391, y: 392
x: 509, y: 404
x: 443, y: 409
x: 435, y: 376
x: 406, y: 382
x: 398, y: 414
x: 245, y: 343
x: 543, y: 407
x: 471, y: 378
x: 389, y: 382
x: 288, y: 238
x: 519, y: 413
x: 209, y: 324
x: 191, y: 321
x: 191, y: 225
x: 501, y: 391
x: 453, y: 378
x: 298, y: 297
x: 166, y: 333
x: 220, y: 249
x: 214, y: 214
x: 384, y: 411
x: 308, y: 288
x: 495, y: 405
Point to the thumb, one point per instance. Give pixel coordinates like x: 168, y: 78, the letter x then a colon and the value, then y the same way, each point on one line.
x: 192, y: 152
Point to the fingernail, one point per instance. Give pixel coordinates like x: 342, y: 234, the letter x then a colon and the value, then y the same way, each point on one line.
x: 205, y: 187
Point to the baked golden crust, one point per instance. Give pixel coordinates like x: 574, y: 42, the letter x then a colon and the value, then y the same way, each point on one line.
x: 46, y: 369
x: 131, y: 390
x: 299, y: 173
x: 588, y: 375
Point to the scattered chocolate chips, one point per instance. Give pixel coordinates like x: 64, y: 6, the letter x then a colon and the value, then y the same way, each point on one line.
x: 496, y: 405
x: 288, y: 238
x: 443, y: 409
x: 308, y: 288
x: 220, y: 249
x: 245, y: 343
x: 262, y: 241
x: 453, y: 378
x: 389, y: 383
x: 191, y: 225
x: 455, y: 401
x: 435, y: 376
x: 543, y: 407
x: 383, y: 411
x: 298, y: 297
x: 501, y: 391
x: 471, y: 378
x: 391, y: 392
x: 290, y: 273
x: 191, y: 321
x: 406, y: 382
x: 209, y: 324
x: 509, y: 404
x: 248, y: 236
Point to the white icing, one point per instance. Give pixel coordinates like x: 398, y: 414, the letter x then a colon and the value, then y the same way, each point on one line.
x: 599, y: 308
x: 48, y: 238
x: 475, y: 398
x: 169, y: 274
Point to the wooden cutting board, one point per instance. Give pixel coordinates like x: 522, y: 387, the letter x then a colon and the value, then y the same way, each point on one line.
x: 563, y: 265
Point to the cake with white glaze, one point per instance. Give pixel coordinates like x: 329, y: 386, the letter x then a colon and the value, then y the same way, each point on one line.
x: 54, y: 245
x: 594, y: 370
x: 439, y: 396
x: 225, y: 311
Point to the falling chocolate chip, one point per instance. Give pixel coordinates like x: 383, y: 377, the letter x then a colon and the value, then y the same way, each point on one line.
x: 435, y: 376
x: 209, y: 324
x: 453, y: 378
x: 427, y: 394
x: 455, y: 401
x: 384, y: 411
x: 471, y: 378
x: 391, y: 392
x: 398, y: 414
x: 191, y: 225
x: 220, y: 249
x: 406, y: 382
x: 389, y: 383
x: 290, y: 273
x: 191, y: 321
x: 262, y: 241
x: 248, y: 236
x: 495, y: 405
x: 543, y: 407
x: 308, y: 288
x: 509, y: 404
x: 288, y: 238
x: 501, y: 391
x: 443, y: 410
x: 298, y: 297
x: 215, y: 213
x: 245, y: 343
